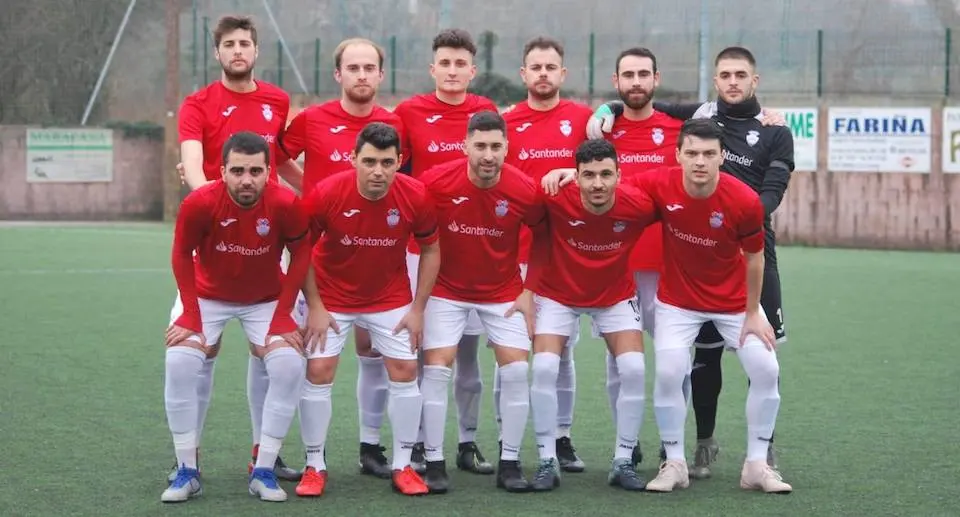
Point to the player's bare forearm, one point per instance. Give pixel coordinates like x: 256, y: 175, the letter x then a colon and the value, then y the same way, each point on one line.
x: 427, y: 274
x: 185, y: 277
x: 291, y: 173
x: 191, y: 155
x: 296, y: 273
x: 754, y: 280
x: 310, y: 291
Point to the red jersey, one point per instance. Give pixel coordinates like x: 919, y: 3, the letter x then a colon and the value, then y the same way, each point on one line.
x: 479, y: 231
x: 541, y: 141
x: 212, y: 115
x: 237, y: 249
x: 589, y: 254
x: 704, y: 267
x: 435, y: 130
x: 361, y: 261
x: 327, y: 134
x: 644, y: 145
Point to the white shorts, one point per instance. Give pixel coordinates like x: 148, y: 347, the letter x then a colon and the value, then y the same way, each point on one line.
x: 445, y: 321
x: 380, y: 325
x: 474, y: 327
x: 678, y: 328
x: 646, y: 282
x: 299, y: 316
x: 214, y: 315
x: 556, y: 318
x: 574, y: 337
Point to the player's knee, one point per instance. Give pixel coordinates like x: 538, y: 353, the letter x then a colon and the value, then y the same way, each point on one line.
x: 764, y: 373
x: 321, y: 371
x: 285, y: 365
x: 363, y: 343
x: 401, y: 370
x: 514, y: 373
x: 566, y: 358
x: 631, y: 368
x: 440, y: 356
x: 546, y: 368
x: 671, y: 373
x: 468, y: 381
x: 183, y: 362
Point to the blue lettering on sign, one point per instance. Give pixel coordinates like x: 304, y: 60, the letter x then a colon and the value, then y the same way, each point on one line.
x: 880, y: 126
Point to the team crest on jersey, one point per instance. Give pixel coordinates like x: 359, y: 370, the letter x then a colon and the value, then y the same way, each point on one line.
x: 502, y: 208
x: 263, y: 226
x: 393, y: 217
x: 565, y: 127
x: 619, y: 226
x: 716, y: 219
x: 267, y: 112
x: 657, y: 135
x: 752, y: 138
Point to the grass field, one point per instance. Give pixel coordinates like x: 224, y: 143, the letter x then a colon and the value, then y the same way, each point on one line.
x: 868, y: 425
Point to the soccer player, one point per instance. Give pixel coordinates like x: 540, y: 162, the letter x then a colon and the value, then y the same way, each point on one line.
x: 207, y: 118
x: 713, y: 272
x: 757, y: 150
x: 326, y: 133
x: 482, y: 204
x: 364, y: 219
x: 434, y: 124
x: 593, y: 225
x: 544, y: 132
x: 238, y: 227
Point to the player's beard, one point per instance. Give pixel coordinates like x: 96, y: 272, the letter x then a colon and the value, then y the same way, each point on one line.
x: 543, y: 95
x: 633, y: 103
x: 746, y: 94
x: 245, y: 197
x: 486, y: 172
x: 237, y: 75
x: 361, y: 98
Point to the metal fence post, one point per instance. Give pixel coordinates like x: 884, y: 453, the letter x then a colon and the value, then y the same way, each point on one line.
x: 393, y: 65
x: 280, y: 64
x: 316, y: 66
x: 206, y: 47
x: 948, y: 42
x: 820, y: 63
x: 591, y: 56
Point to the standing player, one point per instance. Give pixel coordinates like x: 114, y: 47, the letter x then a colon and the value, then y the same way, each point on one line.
x: 713, y: 272
x: 326, y: 133
x: 544, y: 132
x: 434, y: 125
x: 593, y: 225
x: 226, y: 259
x: 364, y: 219
x: 757, y: 150
x: 482, y: 205
x: 237, y: 102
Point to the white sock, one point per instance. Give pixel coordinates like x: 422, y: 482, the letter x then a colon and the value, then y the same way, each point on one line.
x: 316, y: 409
x: 468, y: 388
x: 204, y: 390
x: 287, y: 368
x: 566, y: 392
x: 630, y: 404
x: 182, y: 375
x: 763, y: 398
x: 496, y: 401
x: 516, y: 407
x: 668, y: 403
x: 613, y: 385
x: 258, y: 380
x: 543, y: 401
x: 404, y: 407
x: 435, y: 387
x: 371, y: 397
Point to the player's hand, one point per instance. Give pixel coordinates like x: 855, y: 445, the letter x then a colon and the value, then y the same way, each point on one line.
x: 176, y: 334
x: 553, y: 180
x: 413, y: 322
x: 757, y: 325
x: 315, y: 333
x: 294, y: 339
x: 772, y: 118
x: 182, y: 172
x: 602, y: 120
x: 524, y: 305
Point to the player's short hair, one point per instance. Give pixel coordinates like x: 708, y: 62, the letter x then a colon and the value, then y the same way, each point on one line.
x: 229, y: 23
x: 456, y: 39
x: 248, y: 143
x: 594, y: 151
x: 702, y: 128
x: 380, y: 135
x: 542, y: 43
x: 736, y: 53
x: 486, y: 121
x: 338, y: 52
x: 637, y: 52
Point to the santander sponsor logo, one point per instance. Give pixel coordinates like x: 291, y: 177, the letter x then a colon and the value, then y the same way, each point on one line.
x: 544, y: 154
x: 632, y: 158
x: 242, y: 250
x: 479, y: 231
x: 444, y: 147
x: 692, y: 239
x: 374, y: 242
x: 594, y: 248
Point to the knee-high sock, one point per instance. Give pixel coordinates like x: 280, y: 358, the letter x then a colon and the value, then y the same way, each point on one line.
x: 566, y: 392
x: 435, y: 388
x: 371, y: 397
x: 468, y: 388
x: 258, y: 380
x: 286, y: 368
x: 405, y: 406
x: 182, y: 375
x: 613, y: 385
x: 543, y: 401
x: 630, y: 403
x: 316, y: 409
x: 763, y: 398
x: 496, y: 401
x: 706, y: 382
x: 515, y: 407
x: 204, y: 391
x: 668, y: 405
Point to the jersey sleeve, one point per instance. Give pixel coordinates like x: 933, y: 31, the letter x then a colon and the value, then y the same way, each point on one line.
x: 293, y: 139
x: 777, y: 175
x: 283, y: 114
x: 315, y: 210
x: 750, y: 225
x: 678, y: 111
x: 537, y: 211
x: 190, y: 121
x: 296, y: 223
x: 189, y: 231
x: 425, y: 223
